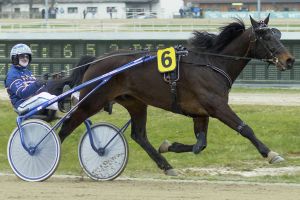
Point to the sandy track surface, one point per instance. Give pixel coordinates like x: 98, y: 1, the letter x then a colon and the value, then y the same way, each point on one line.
x: 74, y: 188
x: 244, y: 98
x: 265, y: 99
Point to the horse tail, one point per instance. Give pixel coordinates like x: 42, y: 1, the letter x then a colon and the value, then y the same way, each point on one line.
x: 57, y: 85
x: 76, y: 77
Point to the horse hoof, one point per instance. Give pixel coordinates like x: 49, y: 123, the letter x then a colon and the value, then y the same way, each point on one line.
x: 164, y: 147
x: 274, y: 157
x: 196, y: 149
x: 171, y: 172
x: 200, y: 144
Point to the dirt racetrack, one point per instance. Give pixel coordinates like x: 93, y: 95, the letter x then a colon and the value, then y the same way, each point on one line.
x: 243, y: 98
x: 73, y: 188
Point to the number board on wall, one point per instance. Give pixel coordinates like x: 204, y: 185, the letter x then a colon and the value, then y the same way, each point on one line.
x: 55, y: 55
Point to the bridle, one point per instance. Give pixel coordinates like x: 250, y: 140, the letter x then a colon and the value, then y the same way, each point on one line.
x: 263, y: 27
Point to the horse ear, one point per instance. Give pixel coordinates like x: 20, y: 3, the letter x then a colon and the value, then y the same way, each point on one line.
x: 254, y: 23
x: 266, y: 21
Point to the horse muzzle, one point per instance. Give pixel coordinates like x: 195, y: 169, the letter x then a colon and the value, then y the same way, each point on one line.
x: 284, y: 63
x: 290, y: 62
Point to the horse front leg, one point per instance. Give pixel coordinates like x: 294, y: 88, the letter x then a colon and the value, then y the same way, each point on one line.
x: 200, y: 130
x: 225, y: 114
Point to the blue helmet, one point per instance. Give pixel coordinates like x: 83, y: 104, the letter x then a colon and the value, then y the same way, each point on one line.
x: 17, y: 50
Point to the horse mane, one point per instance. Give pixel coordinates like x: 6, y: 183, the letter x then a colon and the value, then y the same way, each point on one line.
x: 205, y: 41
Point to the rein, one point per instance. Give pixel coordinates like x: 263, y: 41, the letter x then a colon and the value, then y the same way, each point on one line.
x: 232, y: 57
x: 100, y: 59
x: 222, y: 72
x: 148, y: 51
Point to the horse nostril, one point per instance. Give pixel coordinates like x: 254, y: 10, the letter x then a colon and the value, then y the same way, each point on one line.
x: 290, y: 62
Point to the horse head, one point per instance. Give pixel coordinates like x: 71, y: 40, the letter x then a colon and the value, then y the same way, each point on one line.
x: 265, y: 44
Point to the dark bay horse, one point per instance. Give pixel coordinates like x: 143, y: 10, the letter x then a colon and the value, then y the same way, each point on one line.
x: 206, y: 74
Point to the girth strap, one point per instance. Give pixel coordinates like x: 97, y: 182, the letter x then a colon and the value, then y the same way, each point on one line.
x: 175, y: 107
x: 173, y: 76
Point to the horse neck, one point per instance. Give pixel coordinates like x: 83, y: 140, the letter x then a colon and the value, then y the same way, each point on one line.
x: 239, y: 47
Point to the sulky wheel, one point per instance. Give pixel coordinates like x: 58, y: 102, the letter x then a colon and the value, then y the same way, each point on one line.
x: 105, y: 163
x: 41, y: 161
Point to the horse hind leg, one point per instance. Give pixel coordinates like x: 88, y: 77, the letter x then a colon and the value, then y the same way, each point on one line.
x: 176, y: 147
x: 200, y: 130
x: 138, y: 113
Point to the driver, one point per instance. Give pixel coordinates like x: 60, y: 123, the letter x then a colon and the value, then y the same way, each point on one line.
x: 24, y: 90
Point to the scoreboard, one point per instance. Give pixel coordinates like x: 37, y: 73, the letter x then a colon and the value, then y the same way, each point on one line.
x: 61, y: 55
x: 54, y: 56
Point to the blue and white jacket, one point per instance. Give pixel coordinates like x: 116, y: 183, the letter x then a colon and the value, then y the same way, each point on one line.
x: 21, y: 85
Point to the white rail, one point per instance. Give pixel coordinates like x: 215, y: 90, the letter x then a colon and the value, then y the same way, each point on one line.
x: 127, y: 26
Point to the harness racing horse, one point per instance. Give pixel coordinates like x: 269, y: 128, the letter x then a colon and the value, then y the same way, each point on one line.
x: 206, y: 74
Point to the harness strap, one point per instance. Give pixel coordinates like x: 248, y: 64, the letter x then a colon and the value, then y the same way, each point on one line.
x: 172, y: 78
x: 216, y: 69
x: 175, y: 107
x: 222, y: 72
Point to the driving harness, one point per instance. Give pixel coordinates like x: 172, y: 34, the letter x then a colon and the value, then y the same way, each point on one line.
x: 173, y: 76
